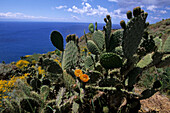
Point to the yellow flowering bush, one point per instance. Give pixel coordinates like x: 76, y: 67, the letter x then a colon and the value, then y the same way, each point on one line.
x: 22, y: 63
x: 41, y: 71
x: 7, y: 86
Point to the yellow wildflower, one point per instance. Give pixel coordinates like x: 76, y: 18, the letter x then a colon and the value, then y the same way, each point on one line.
x: 22, y: 63
x: 27, y: 55
x: 57, y: 61
x: 34, y: 62
x: 41, y: 71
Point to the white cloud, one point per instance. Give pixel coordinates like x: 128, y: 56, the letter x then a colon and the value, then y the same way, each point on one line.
x: 152, y: 8
x: 117, y: 11
x: 113, y: 0
x: 155, y: 18
x: 163, y: 11
x: 69, y: 9
x: 99, y: 11
x: 75, y: 17
x: 61, y: 6
x: 20, y: 16
x: 168, y: 8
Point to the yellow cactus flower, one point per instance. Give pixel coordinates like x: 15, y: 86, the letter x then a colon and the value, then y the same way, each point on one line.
x: 78, y: 72
x: 84, y: 78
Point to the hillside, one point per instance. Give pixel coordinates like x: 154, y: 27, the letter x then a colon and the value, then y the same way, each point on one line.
x: 86, y: 83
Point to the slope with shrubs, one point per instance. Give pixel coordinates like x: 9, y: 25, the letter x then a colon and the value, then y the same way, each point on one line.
x: 98, y: 78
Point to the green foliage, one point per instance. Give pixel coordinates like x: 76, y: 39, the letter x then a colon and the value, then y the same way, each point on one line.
x: 115, y: 39
x: 145, y: 61
x: 166, y: 46
x: 98, y: 38
x: 132, y: 34
x: 70, y: 57
x: 110, y: 60
x: 57, y: 40
x: 91, y: 27
x: 118, y: 61
x: 92, y: 47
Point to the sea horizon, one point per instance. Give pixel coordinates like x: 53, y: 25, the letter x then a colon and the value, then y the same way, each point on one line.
x: 20, y: 38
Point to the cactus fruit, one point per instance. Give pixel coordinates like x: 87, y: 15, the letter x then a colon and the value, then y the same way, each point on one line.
x: 129, y: 14
x: 68, y: 38
x: 136, y: 11
x: 122, y: 24
x: 57, y: 40
x: 110, y: 60
x: 91, y: 27
x: 92, y: 47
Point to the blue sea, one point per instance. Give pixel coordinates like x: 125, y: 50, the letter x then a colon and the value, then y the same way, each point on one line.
x: 25, y: 38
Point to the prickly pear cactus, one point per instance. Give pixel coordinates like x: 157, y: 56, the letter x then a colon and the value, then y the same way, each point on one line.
x: 91, y: 27
x: 57, y: 40
x: 110, y: 60
x: 145, y: 61
x: 158, y: 43
x: 133, y: 32
x: 92, y: 47
x: 88, y: 62
x: 70, y: 57
x: 115, y: 39
x: 98, y: 38
x: 166, y: 46
x: 69, y: 81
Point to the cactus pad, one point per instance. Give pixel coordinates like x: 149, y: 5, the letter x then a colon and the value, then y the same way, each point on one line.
x: 115, y: 39
x: 132, y: 34
x: 166, y: 46
x: 57, y: 40
x: 92, y: 47
x: 110, y: 60
x: 70, y: 57
x: 146, y: 60
x: 91, y: 27
x: 98, y: 38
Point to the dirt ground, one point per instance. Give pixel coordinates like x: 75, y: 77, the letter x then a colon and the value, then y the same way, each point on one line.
x: 158, y: 103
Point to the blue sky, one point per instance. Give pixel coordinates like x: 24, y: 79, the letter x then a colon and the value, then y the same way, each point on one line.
x: 80, y: 10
